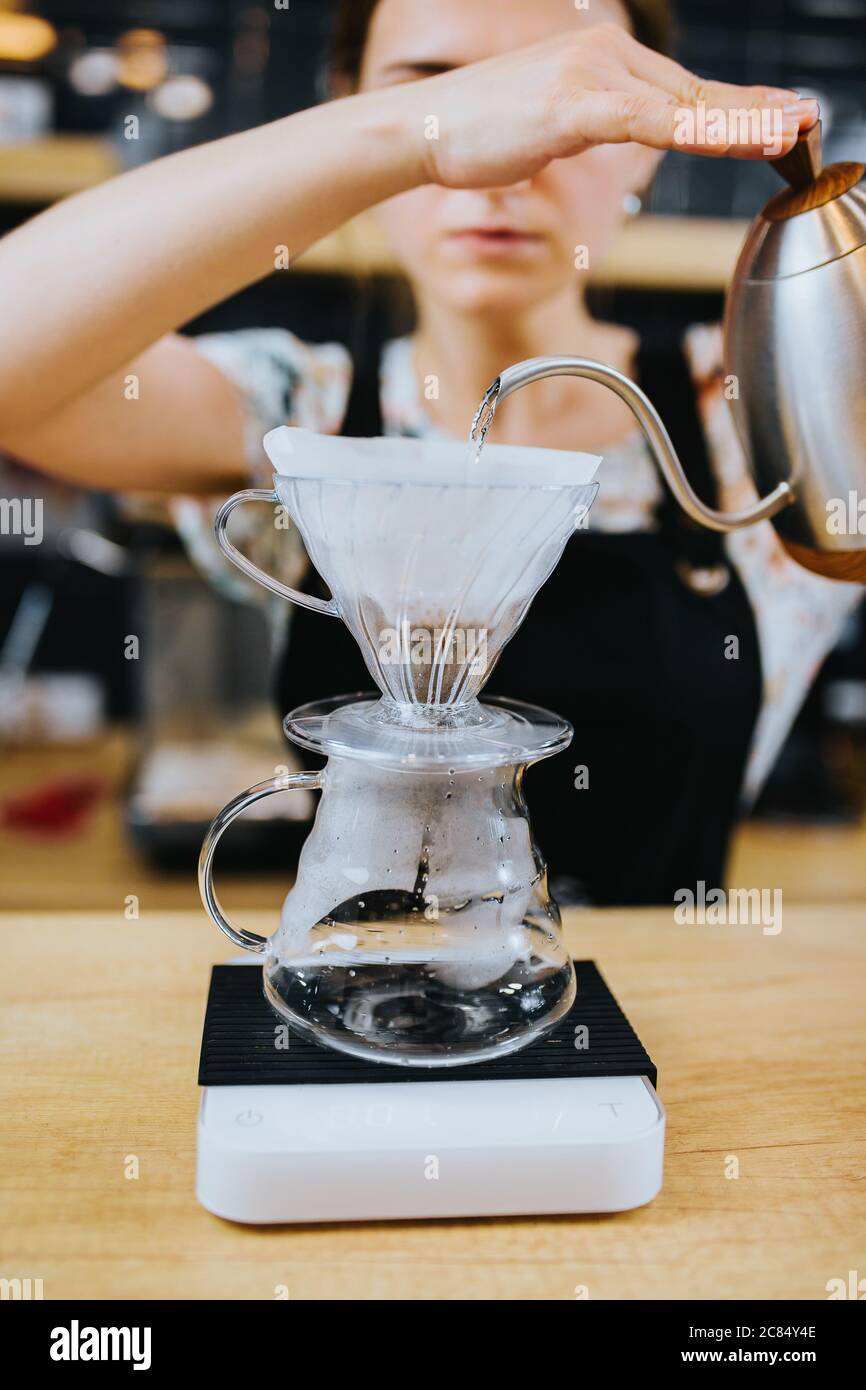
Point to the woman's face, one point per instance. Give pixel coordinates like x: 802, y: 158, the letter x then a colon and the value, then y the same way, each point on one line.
x: 500, y: 250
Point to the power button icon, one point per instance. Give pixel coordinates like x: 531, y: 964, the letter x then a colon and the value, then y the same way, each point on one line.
x: 249, y: 1117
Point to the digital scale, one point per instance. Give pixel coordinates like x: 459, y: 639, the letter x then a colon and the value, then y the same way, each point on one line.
x: 290, y: 1131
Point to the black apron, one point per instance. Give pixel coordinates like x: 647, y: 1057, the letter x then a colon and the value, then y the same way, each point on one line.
x: 626, y: 643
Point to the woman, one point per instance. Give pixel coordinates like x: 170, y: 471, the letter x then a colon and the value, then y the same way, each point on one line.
x: 496, y: 150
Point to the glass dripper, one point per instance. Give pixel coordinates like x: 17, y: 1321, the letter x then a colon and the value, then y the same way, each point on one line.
x: 432, y: 557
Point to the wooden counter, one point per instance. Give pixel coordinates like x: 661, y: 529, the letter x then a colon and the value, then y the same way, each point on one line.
x: 759, y: 1041
x: 95, y: 866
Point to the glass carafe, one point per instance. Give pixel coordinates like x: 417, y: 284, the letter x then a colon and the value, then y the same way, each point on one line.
x: 420, y: 929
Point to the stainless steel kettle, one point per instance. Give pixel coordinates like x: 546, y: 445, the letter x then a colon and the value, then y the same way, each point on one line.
x: 795, y: 354
x: 795, y: 346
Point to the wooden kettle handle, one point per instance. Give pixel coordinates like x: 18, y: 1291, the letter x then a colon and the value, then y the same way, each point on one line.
x: 801, y: 166
x: 809, y: 185
x: 849, y: 566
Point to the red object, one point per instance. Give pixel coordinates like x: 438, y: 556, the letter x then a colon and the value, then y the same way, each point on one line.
x: 57, y: 807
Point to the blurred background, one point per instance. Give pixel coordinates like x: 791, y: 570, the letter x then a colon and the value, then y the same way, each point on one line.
x: 134, y: 701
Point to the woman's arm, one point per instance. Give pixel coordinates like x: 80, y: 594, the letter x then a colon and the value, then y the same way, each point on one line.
x: 94, y: 289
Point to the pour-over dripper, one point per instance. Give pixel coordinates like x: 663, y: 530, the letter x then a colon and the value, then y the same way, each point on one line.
x: 432, y: 558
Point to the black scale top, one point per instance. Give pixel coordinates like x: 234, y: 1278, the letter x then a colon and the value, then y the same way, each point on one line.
x: 238, y: 1044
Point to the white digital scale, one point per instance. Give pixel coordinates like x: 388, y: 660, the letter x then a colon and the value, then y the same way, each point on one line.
x: 539, y: 1139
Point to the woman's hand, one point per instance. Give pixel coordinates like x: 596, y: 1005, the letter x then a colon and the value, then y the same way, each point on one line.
x: 502, y: 120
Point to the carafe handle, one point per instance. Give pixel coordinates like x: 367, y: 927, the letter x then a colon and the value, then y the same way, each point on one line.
x: 293, y: 781
x: 247, y: 567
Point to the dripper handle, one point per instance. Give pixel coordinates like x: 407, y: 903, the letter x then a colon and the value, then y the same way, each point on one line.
x: 247, y: 567
x: 293, y: 781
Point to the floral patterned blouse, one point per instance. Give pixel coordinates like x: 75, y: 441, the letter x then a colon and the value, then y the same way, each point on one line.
x: 282, y: 380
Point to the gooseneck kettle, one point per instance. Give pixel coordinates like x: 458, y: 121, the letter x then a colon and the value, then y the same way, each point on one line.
x: 795, y: 362
x: 795, y: 347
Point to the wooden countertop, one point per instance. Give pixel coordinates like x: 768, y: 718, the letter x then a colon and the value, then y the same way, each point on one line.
x: 96, y: 866
x: 759, y: 1041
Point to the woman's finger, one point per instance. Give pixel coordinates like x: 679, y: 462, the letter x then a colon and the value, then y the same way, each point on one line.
x: 690, y: 89
x: 659, y: 120
x: 727, y: 120
x: 693, y: 91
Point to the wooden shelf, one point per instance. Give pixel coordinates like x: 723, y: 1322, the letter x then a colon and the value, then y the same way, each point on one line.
x: 652, y: 252
x: 43, y: 171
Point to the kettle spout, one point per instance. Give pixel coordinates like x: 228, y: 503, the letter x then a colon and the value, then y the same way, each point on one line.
x: 657, y: 437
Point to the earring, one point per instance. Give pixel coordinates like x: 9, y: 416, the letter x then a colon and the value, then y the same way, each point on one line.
x: 631, y: 205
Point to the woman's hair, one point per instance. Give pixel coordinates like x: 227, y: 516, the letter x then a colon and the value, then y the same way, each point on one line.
x: 651, y: 23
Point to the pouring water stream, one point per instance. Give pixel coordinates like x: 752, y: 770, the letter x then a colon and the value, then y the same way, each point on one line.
x: 483, y: 419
